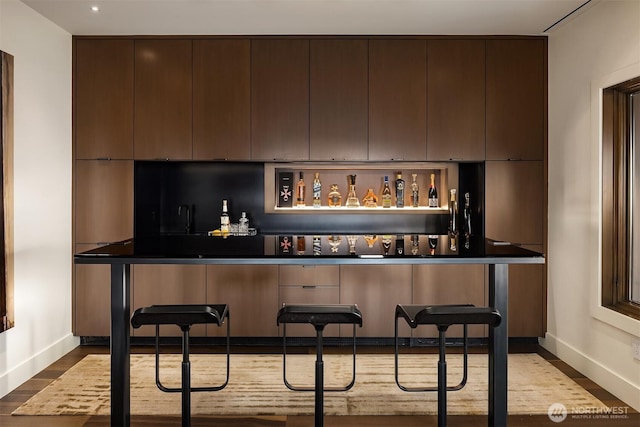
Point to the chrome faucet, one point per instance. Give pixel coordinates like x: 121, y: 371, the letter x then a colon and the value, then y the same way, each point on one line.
x: 187, y: 225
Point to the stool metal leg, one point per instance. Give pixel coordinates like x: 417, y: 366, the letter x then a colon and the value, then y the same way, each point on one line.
x: 442, y: 379
x: 186, y: 380
x: 319, y: 411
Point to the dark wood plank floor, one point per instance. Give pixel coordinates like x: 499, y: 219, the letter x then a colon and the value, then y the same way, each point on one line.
x: 14, y: 399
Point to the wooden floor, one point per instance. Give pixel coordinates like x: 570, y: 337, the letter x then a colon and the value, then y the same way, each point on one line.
x: 14, y: 399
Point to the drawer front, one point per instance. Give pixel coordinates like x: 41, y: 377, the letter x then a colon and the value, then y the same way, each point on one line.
x: 309, y: 294
x: 309, y: 275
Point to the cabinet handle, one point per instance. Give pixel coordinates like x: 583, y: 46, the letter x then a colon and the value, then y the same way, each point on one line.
x: 400, y: 159
x: 456, y: 159
x: 103, y: 158
x: 308, y: 266
x: 162, y: 159
x: 309, y: 286
x: 514, y: 159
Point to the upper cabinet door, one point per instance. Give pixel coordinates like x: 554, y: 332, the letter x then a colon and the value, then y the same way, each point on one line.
x: 339, y: 99
x: 221, y: 99
x: 456, y: 113
x: 104, y: 99
x: 280, y: 99
x: 163, y: 99
x: 516, y: 99
x: 397, y: 99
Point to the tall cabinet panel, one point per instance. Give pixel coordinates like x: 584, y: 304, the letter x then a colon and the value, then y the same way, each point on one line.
x: 515, y: 201
x: 376, y: 289
x: 104, y: 99
x: 221, y: 99
x: 449, y: 284
x: 103, y: 200
x: 91, y: 297
x: 338, y: 99
x: 516, y: 99
x: 397, y: 99
x: 251, y: 291
x: 167, y: 284
x: 280, y: 99
x: 163, y: 101
x: 456, y: 110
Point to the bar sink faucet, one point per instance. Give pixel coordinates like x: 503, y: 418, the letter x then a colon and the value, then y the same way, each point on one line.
x: 187, y: 213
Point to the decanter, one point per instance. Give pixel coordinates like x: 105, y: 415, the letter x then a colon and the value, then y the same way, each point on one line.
x: 352, y: 198
x: 371, y: 239
x: 334, y: 199
x: 370, y: 200
x: 334, y: 242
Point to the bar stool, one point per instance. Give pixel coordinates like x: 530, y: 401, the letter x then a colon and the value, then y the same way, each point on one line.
x: 443, y: 316
x: 319, y: 316
x: 184, y: 316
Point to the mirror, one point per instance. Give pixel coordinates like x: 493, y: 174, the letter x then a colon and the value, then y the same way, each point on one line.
x: 6, y: 192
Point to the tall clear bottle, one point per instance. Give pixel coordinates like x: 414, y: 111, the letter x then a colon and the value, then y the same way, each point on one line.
x: 352, y: 197
x: 317, y: 191
x: 399, y: 190
x: 224, y: 219
x: 415, y: 191
x: 300, y: 191
x: 433, y: 193
x: 386, y: 193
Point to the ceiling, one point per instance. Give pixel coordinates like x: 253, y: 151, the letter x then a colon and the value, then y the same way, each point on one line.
x: 286, y: 17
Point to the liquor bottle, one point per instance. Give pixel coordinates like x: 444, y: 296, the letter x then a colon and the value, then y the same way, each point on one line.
x: 400, y: 244
x: 453, y: 212
x: 352, y: 197
x: 352, y: 240
x: 317, y: 246
x: 370, y: 200
x: 415, y: 191
x: 386, y: 193
x: 300, y: 190
x: 334, y: 199
x: 224, y: 219
x: 399, y: 190
x: 433, y: 244
x: 415, y: 244
x: 371, y: 239
x: 243, y: 225
x: 334, y: 242
x: 433, y: 193
x: 467, y: 215
x: 386, y: 243
x: 317, y: 191
x: 300, y: 245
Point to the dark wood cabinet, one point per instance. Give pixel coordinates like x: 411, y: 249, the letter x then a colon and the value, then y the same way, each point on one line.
x: 103, y: 99
x: 456, y: 103
x: 103, y: 200
x: 91, y: 297
x: 221, y: 99
x: 516, y: 99
x: 527, y: 299
x: 515, y: 201
x: 338, y: 99
x: 167, y: 284
x: 449, y: 284
x: 251, y: 291
x: 376, y: 289
x: 280, y: 99
x: 397, y: 99
x: 163, y: 99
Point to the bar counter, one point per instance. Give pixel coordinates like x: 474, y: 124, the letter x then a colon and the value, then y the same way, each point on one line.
x: 281, y: 249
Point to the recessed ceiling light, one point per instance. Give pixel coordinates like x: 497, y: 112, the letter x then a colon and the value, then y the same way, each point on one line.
x: 95, y: 8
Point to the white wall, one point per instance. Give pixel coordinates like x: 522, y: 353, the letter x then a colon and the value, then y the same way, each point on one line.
x: 42, y: 193
x: 599, y: 45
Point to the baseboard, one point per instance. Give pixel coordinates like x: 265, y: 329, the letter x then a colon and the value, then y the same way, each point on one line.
x: 595, y: 371
x: 16, y: 376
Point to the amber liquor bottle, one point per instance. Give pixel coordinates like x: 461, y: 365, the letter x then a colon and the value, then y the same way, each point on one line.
x: 300, y: 191
x: 386, y: 193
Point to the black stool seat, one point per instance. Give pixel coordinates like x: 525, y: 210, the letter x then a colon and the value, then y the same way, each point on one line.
x: 443, y: 316
x: 184, y: 316
x: 319, y: 316
x: 181, y: 315
x: 447, y: 315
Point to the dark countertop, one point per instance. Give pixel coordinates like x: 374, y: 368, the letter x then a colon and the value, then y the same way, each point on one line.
x: 318, y: 249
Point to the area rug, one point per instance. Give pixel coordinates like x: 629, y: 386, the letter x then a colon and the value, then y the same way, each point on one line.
x: 256, y: 387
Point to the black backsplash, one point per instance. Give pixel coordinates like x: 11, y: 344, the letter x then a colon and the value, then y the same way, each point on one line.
x: 160, y: 187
